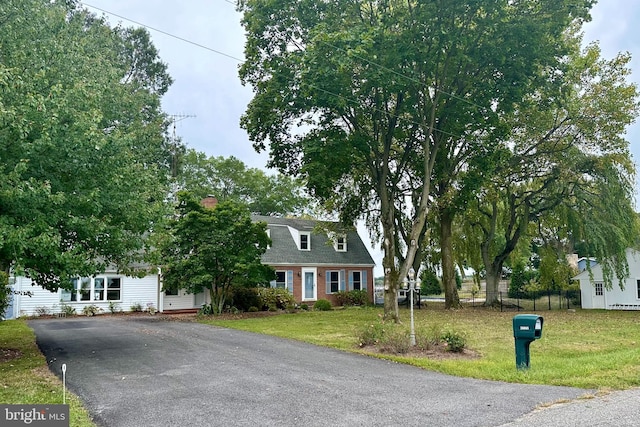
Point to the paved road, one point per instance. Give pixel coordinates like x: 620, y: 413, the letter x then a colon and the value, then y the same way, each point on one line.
x: 144, y: 371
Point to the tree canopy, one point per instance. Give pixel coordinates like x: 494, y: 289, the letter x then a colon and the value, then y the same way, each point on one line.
x: 83, y: 158
x: 214, y: 248
x: 361, y: 98
x: 229, y: 179
x: 564, y: 174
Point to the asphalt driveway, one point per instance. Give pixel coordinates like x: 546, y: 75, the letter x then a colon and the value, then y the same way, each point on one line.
x: 145, y: 371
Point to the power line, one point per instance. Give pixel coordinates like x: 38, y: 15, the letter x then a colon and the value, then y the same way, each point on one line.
x: 351, y: 100
x: 163, y: 32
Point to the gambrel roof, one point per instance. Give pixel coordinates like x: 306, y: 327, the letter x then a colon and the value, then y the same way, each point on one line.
x: 284, y: 249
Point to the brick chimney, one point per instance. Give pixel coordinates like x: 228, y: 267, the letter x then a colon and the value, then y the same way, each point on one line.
x: 209, y: 202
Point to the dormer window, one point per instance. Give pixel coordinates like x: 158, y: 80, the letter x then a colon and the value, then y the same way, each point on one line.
x: 305, y: 241
x: 341, y: 244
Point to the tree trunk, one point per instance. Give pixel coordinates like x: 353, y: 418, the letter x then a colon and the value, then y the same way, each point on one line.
x: 493, y: 281
x: 391, y: 311
x: 451, y: 297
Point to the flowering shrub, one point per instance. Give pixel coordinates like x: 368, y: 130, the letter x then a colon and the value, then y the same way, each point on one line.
x: 354, y: 297
x: 275, y: 298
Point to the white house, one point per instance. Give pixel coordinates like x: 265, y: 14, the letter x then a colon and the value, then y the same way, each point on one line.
x: 106, y: 291
x: 595, y: 295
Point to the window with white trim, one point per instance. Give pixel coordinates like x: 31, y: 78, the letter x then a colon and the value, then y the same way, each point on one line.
x: 599, y: 288
x: 356, y: 280
x: 305, y: 241
x: 341, y: 244
x: 638, y: 288
x: 93, y: 289
x: 281, y: 279
x: 334, y: 281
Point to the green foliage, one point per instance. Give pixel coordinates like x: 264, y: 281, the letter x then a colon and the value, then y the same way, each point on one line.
x: 42, y: 310
x: 521, y: 279
x: 205, y: 310
x: 67, y: 309
x: 253, y: 309
x: 322, y: 305
x: 243, y: 298
x: 374, y: 128
x: 230, y: 180
x: 274, y: 298
x: 5, y: 293
x: 370, y: 334
x: 91, y: 310
x: 83, y: 153
x: 114, y: 307
x: 454, y: 341
x: 304, y: 307
x: 429, y: 283
x: 214, y: 248
x: 136, y: 308
x: 353, y: 297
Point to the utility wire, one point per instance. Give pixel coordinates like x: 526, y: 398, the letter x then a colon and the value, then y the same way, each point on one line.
x: 164, y: 32
x: 351, y: 100
x: 397, y: 73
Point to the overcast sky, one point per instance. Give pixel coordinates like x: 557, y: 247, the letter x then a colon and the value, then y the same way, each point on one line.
x: 206, y: 77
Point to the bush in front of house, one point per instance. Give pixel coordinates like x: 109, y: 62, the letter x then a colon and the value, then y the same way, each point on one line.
x: 322, y: 305
x: 274, y: 298
x: 354, y: 297
x: 243, y: 298
x: 5, y: 292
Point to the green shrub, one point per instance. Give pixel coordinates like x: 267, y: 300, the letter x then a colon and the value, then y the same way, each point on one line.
x: 114, y: 307
x: 136, y: 308
x: 42, y: 311
x: 5, y: 292
x: 91, y: 310
x: 243, y: 297
x: 426, y: 338
x: 354, y: 297
x: 205, y: 310
x: 253, y: 309
x: 322, y: 305
x: 274, y: 298
x: 371, y: 334
x: 66, y: 309
x: 304, y: 307
x: 454, y: 341
x: 396, y: 341
x: 430, y: 284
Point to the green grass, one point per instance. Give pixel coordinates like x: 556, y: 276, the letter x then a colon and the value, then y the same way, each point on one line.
x: 582, y: 348
x: 27, y: 379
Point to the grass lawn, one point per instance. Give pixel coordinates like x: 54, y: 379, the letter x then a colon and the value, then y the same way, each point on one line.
x: 26, y: 379
x: 581, y: 348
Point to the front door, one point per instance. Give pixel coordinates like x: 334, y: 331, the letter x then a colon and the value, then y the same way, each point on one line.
x: 309, y: 286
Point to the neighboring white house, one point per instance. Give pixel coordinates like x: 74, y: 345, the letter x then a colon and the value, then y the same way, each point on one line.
x: 595, y: 295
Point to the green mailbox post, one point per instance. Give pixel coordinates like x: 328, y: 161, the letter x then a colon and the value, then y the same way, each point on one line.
x: 526, y: 328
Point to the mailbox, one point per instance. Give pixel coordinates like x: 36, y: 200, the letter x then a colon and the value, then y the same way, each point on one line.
x: 526, y: 328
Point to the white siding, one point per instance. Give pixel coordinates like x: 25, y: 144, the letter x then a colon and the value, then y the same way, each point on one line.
x: 134, y: 290
x: 616, y: 298
x: 179, y: 302
x: 40, y: 298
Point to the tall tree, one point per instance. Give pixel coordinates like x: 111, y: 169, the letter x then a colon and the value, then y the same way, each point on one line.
x: 213, y: 248
x: 359, y: 97
x: 81, y: 144
x: 230, y: 179
x: 566, y: 167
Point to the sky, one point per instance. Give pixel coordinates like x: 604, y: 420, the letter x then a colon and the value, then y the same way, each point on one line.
x: 205, y: 66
